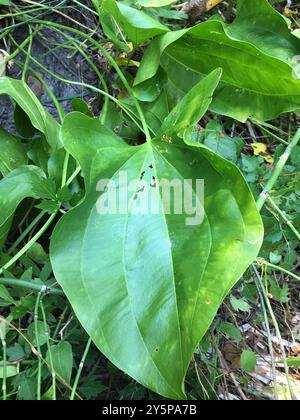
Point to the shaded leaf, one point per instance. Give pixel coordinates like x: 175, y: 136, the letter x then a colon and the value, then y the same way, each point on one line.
x: 62, y: 358
x: 13, y: 153
x: 10, y: 371
x: 29, y: 103
x: 26, y: 181
x: 42, y: 337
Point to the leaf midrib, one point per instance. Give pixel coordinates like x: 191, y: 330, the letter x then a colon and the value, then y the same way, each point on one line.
x: 125, y: 277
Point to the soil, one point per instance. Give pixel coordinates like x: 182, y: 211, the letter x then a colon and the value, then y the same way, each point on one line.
x: 61, y: 61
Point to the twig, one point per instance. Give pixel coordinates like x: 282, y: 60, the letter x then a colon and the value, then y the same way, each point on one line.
x: 270, y: 344
x: 4, y: 351
x: 81, y: 365
x: 38, y: 347
x: 262, y: 261
x: 225, y: 367
x: 284, y: 217
x: 278, y: 169
x: 47, y: 333
x: 278, y: 334
x: 30, y: 285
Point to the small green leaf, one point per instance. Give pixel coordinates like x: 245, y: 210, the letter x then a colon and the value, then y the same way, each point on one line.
x: 64, y: 194
x: 231, y: 331
x: 92, y: 387
x: 11, y: 371
x: 49, y: 206
x: 81, y: 106
x: 248, y: 360
x: 5, y: 295
x: 27, y: 389
x: 239, y: 304
x: 37, y: 253
x: 62, y: 358
x: 293, y: 362
x: 275, y: 257
x: 282, y: 294
x: 15, y: 353
x: 192, y: 107
x: 42, y: 337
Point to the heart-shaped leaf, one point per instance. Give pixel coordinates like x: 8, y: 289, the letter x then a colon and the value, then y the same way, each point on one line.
x: 146, y: 285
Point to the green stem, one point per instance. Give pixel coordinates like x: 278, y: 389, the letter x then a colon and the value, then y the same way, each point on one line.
x: 114, y: 65
x: 277, y: 171
x: 92, y: 65
x: 81, y: 84
x: 47, y: 333
x: 261, y: 261
x: 278, y: 334
x: 283, y: 216
x: 272, y: 134
x: 85, y: 7
x: 57, y: 328
x: 17, y: 14
x: 38, y: 347
x: 65, y: 170
x: 4, y: 352
x: 81, y: 365
x: 31, y: 286
x: 33, y: 240
x: 26, y: 232
x: 17, y: 51
x: 60, y: 111
x: 271, y: 350
x: 27, y: 59
x: 73, y: 176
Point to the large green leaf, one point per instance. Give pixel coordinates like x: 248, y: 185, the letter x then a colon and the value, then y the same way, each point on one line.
x: 260, y: 24
x: 147, y: 286
x: 39, y: 117
x: 257, y: 78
